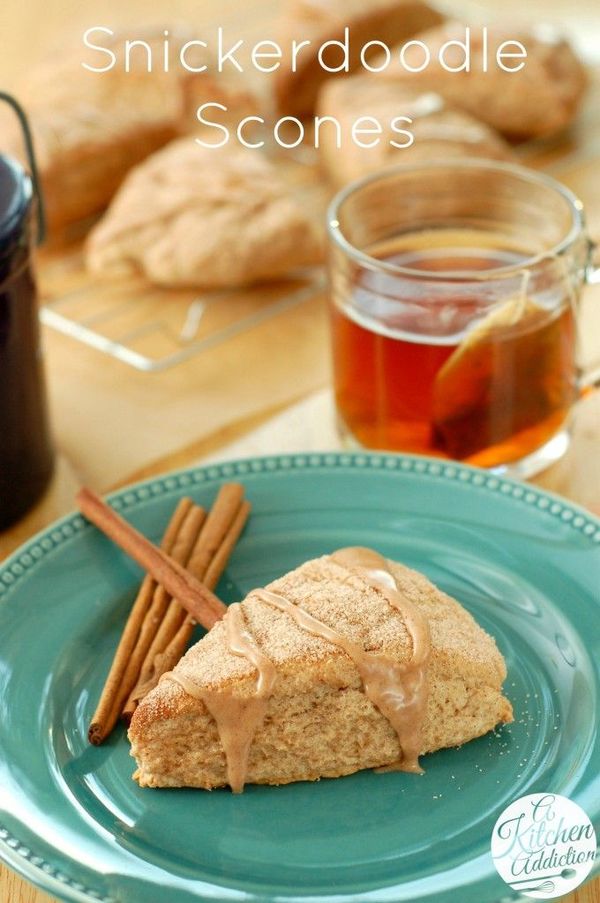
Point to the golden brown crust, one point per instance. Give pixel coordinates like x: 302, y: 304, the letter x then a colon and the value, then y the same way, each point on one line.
x: 440, y: 131
x: 319, y: 721
x: 540, y: 99
x: 391, y: 21
x: 217, y: 218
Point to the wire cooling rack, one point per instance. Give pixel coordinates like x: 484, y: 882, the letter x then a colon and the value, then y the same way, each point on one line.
x: 153, y: 329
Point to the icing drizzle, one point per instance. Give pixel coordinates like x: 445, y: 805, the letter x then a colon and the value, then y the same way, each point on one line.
x: 237, y: 718
x: 397, y: 689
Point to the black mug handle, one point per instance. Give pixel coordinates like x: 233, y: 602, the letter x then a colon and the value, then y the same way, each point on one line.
x: 28, y: 139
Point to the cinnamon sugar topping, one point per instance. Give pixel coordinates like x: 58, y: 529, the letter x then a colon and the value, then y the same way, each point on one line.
x: 397, y: 689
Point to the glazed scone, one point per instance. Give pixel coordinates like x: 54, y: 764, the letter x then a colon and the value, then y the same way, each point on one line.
x: 318, y: 21
x: 90, y: 128
x: 440, y: 132
x: 203, y: 217
x: 540, y: 99
x: 319, y: 721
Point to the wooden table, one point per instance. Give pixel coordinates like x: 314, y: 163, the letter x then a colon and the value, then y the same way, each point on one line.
x: 114, y: 425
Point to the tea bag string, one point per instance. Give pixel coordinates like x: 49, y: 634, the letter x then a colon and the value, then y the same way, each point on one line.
x: 569, y: 275
x: 520, y: 308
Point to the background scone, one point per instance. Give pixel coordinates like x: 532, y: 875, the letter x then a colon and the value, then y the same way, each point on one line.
x: 440, y: 131
x: 318, y: 21
x: 194, y: 216
x: 91, y: 128
x: 319, y: 722
x: 540, y: 99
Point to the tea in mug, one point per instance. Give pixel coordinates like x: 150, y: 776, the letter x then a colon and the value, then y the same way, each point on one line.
x: 451, y: 373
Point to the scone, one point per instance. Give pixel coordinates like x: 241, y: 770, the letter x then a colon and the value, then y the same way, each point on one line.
x: 90, y: 128
x: 440, y: 131
x: 348, y: 662
x: 318, y: 21
x: 207, y: 218
x: 541, y: 99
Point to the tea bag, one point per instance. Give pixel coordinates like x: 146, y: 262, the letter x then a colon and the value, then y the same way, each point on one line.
x: 508, y: 313
x: 494, y: 384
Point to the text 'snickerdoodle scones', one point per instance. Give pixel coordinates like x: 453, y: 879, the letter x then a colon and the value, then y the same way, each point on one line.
x: 439, y: 130
x: 348, y: 662
x: 541, y: 98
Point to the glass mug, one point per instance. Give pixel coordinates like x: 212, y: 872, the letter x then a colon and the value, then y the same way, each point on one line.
x: 454, y: 295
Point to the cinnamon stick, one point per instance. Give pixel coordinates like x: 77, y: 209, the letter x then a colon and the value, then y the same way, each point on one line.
x: 104, y: 718
x: 180, y: 553
x: 179, y: 643
x: 223, y: 553
x: 203, y: 606
x: 218, y: 537
x: 220, y: 519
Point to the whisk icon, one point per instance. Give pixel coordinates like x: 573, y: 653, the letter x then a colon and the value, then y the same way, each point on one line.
x: 546, y: 886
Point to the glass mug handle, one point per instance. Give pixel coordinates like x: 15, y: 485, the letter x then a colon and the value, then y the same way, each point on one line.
x: 590, y: 379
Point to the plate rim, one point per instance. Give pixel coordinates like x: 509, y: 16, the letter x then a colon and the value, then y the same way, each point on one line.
x: 14, y: 852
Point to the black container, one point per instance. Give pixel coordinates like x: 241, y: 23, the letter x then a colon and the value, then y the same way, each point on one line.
x: 26, y: 456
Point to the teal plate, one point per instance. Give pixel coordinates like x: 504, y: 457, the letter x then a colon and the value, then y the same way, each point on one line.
x: 525, y: 563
